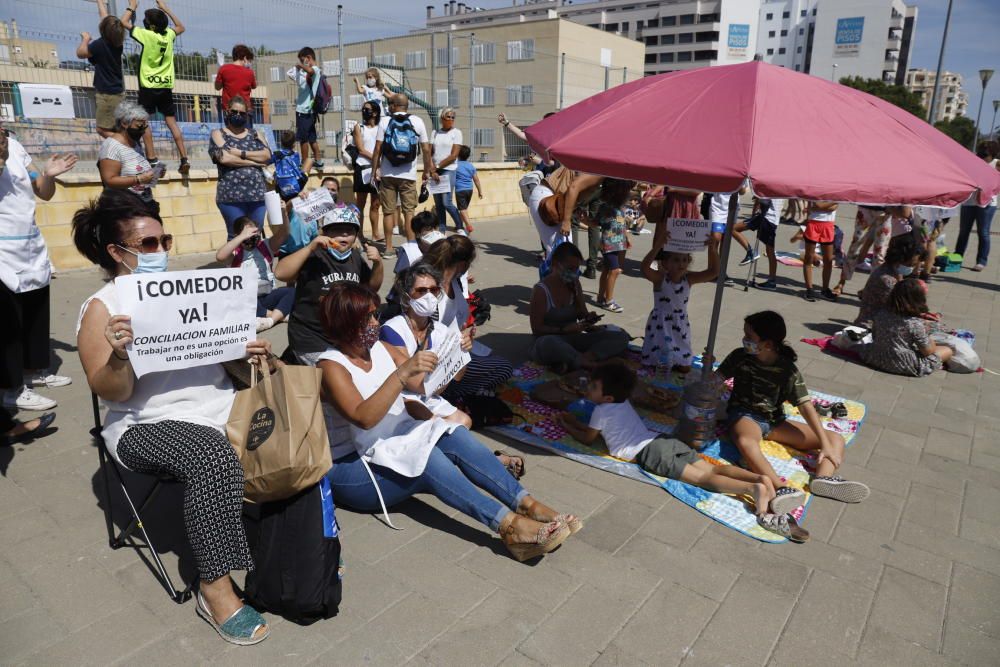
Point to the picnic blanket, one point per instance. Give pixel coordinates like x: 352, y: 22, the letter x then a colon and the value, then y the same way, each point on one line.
x: 789, y: 258
x: 826, y: 344
x: 536, y: 425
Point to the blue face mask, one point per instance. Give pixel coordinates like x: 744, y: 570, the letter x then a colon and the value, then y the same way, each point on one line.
x: 340, y: 255
x: 750, y: 346
x: 904, y: 270
x: 148, y: 262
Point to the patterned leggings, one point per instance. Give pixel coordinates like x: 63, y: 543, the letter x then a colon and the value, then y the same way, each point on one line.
x: 871, y: 230
x: 203, y: 460
x: 482, y: 376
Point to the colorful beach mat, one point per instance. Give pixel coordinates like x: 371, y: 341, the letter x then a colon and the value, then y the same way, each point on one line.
x: 537, y: 426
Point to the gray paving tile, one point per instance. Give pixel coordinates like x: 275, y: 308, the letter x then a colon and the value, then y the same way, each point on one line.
x: 679, y: 567
x: 111, y: 636
x: 753, y: 560
x: 950, y: 445
x: 676, y: 524
x: 973, y: 600
x: 830, y: 617
x: 897, y: 554
x: 966, y: 645
x: 541, y: 583
x: 934, y: 508
x: 910, y: 607
x: 614, y: 523
x: 880, y: 647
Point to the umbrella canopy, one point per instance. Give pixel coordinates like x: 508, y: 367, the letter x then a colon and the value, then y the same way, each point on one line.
x: 791, y: 134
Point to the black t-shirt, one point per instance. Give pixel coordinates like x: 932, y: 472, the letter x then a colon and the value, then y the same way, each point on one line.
x: 320, y: 270
x: 107, y: 62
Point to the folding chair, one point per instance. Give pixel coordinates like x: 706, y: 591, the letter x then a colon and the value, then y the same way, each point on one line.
x: 124, y: 537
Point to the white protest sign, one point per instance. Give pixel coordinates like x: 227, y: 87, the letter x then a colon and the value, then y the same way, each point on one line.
x: 315, y: 206
x: 687, y: 234
x: 441, y: 187
x: 182, y: 319
x: 451, y: 360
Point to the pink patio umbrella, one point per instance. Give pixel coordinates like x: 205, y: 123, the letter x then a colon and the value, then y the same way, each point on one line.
x: 783, y: 133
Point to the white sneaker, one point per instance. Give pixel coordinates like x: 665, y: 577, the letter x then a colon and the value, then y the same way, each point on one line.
x: 264, y: 323
x: 26, y: 399
x: 49, y: 380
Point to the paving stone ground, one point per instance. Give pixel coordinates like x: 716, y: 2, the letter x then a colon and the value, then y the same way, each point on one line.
x: 910, y: 577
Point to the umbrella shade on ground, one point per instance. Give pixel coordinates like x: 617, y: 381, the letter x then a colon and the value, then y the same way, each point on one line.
x: 790, y: 134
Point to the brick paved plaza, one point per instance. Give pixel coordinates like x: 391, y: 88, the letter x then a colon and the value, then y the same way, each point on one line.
x: 910, y: 577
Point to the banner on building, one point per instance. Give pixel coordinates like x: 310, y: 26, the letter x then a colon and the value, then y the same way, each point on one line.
x: 847, y: 41
x: 40, y: 100
x: 739, y: 39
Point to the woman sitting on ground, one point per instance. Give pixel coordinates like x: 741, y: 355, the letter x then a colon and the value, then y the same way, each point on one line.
x: 121, y: 166
x: 900, y: 342
x: 364, y: 380
x: 566, y: 334
x: 902, y: 257
x: 166, y: 423
x: 486, y: 371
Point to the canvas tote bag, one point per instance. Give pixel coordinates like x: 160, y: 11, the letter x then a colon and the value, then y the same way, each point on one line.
x: 278, y: 431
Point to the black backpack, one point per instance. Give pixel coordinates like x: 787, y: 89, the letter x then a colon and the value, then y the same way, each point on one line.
x: 296, y: 550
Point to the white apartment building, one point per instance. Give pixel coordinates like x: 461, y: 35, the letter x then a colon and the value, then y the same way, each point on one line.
x: 868, y: 38
x: 952, y: 101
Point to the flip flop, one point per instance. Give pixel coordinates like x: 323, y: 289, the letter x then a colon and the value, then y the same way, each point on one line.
x: 240, y: 627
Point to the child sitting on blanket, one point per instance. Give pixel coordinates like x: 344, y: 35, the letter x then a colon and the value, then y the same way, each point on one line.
x: 627, y: 438
x: 764, y: 378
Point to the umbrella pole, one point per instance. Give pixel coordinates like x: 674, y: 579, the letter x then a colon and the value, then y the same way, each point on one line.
x: 720, y: 284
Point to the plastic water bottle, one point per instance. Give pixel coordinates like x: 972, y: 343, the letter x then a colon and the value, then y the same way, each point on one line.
x: 699, y: 406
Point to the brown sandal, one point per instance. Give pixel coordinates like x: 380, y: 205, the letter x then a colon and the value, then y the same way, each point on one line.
x: 515, y: 464
x: 571, y: 521
x: 550, y: 536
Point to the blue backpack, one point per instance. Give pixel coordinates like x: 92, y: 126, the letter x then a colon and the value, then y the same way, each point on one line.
x: 288, y: 173
x: 400, y: 143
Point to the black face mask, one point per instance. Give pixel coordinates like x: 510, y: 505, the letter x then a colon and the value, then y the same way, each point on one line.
x: 367, y: 114
x: 135, y: 133
x: 237, y: 120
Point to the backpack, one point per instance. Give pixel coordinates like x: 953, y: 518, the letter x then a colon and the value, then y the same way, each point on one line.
x: 528, y: 183
x: 287, y: 174
x: 295, y: 545
x: 400, y: 143
x: 324, y: 95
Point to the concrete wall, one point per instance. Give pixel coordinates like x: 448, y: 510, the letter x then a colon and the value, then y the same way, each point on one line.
x: 190, y: 214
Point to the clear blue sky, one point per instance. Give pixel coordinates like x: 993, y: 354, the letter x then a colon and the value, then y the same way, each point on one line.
x: 973, y: 41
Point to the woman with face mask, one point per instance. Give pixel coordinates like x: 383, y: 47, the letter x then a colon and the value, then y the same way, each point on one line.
x: 388, y: 455
x: 566, y: 335
x: 240, y: 155
x: 902, y: 257
x: 166, y: 423
x: 122, y: 167
x: 364, y: 140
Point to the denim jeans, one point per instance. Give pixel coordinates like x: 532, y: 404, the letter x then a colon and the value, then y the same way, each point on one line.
x: 983, y: 218
x: 231, y: 210
x: 280, y: 298
x: 443, y: 202
x: 456, y: 467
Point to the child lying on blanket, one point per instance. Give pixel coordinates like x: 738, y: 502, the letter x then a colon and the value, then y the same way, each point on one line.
x: 764, y: 377
x: 627, y: 438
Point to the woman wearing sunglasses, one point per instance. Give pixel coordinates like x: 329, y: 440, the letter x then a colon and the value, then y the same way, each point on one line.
x: 240, y: 155
x: 121, y: 165
x: 171, y: 423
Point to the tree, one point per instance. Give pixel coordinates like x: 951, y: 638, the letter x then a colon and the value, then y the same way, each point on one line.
x: 902, y: 97
x: 264, y: 51
x: 959, y: 128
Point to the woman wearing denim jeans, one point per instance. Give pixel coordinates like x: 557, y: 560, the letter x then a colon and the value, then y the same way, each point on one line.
x: 386, y: 449
x: 447, y: 141
x: 981, y: 216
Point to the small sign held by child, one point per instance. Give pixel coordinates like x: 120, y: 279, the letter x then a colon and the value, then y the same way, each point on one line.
x: 687, y: 235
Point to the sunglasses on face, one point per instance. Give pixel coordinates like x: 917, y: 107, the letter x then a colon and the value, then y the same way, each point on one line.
x: 420, y: 291
x: 238, y: 114
x: 150, y: 243
x: 449, y: 118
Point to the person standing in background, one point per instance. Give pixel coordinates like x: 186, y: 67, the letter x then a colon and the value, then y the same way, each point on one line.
x: 237, y: 79
x: 105, y: 54
x: 306, y: 75
x: 446, y: 143
x: 25, y: 272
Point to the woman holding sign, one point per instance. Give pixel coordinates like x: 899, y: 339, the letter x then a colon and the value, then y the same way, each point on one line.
x: 170, y: 423
x: 391, y: 455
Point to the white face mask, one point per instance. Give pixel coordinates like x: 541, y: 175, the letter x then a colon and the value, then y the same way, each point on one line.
x: 425, y: 306
x: 371, y: 82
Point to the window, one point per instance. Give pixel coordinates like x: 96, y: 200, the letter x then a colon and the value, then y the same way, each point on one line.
x: 331, y: 67
x: 279, y: 107
x: 275, y: 74
x: 483, y: 136
x: 441, y: 97
x: 687, y: 19
x: 684, y: 57
x: 707, y: 36
x: 357, y: 65
x: 385, y: 59
x: 798, y: 49
x: 625, y: 26
x: 784, y: 33
x: 770, y: 33
x: 420, y: 95
x: 650, y: 58
x: 669, y: 20
x: 522, y: 95
x: 668, y: 39
x: 482, y: 96
x: 666, y: 57
x: 785, y: 15
x: 653, y: 23
x: 356, y: 101
x: 4, y: 53
x: 484, y: 52
x: 781, y: 51
x: 802, y: 31
x: 651, y: 41
x: 708, y: 18
x: 610, y: 27
x: 416, y: 60
x: 797, y: 68
x: 802, y: 13
x: 330, y: 137
x: 521, y: 49
x: 442, y: 56
x: 336, y: 103
x: 707, y: 54
x: 685, y: 38
x: 769, y: 16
